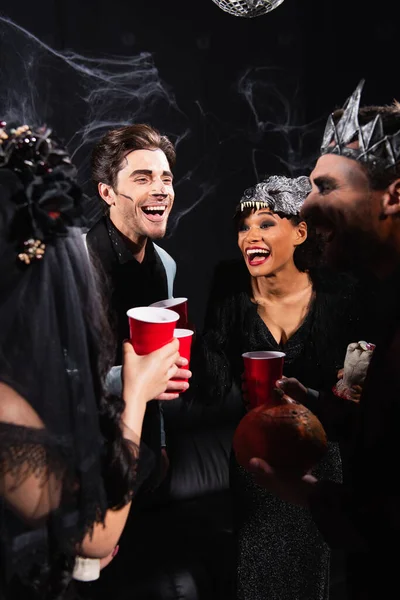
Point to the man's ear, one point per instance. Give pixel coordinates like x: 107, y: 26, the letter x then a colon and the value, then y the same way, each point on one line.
x: 301, y: 233
x: 391, y: 199
x: 106, y: 193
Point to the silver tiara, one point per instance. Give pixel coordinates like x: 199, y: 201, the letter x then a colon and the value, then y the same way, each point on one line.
x: 374, y: 146
x: 278, y: 193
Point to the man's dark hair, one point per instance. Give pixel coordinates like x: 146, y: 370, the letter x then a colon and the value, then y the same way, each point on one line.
x: 379, y: 176
x: 110, y: 151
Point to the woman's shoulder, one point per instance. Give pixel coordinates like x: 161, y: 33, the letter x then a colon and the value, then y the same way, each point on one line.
x: 15, y: 410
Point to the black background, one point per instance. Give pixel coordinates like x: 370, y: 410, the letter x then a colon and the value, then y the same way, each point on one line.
x: 299, y: 61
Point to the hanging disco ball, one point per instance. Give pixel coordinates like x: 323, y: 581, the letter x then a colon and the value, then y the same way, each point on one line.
x: 247, y: 8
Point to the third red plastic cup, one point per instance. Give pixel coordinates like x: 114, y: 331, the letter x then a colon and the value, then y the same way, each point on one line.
x: 261, y: 371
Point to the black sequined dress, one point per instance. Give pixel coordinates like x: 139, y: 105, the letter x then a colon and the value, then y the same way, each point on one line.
x: 280, y: 552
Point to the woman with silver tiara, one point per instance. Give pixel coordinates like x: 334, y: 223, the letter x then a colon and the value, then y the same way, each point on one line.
x: 70, y: 456
x: 277, y: 298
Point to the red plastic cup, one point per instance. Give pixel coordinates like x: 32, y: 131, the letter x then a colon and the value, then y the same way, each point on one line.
x: 185, y: 337
x: 151, y: 328
x: 261, y: 371
x: 179, y: 305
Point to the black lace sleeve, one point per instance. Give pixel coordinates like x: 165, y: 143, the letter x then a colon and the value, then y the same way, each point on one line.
x: 25, y: 452
x: 28, y: 451
x: 27, y: 548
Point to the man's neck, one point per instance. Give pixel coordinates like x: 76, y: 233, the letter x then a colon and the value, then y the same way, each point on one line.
x: 135, y: 242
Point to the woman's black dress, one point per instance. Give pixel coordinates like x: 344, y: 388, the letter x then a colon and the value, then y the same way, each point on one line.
x: 280, y: 552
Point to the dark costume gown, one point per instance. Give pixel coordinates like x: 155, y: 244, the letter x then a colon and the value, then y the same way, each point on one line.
x: 280, y: 553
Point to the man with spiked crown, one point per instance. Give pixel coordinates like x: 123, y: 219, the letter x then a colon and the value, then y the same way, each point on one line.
x: 355, y: 199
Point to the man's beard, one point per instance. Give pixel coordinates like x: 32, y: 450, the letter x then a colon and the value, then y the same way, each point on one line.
x: 352, y: 250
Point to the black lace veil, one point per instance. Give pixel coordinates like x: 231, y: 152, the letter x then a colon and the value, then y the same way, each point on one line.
x: 53, y: 356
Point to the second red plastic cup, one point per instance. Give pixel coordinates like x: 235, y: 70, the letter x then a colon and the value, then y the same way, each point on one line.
x: 185, y: 337
x: 261, y: 371
x: 151, y: 328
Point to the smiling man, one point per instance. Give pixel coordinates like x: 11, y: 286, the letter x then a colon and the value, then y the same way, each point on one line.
x: 132, y: 169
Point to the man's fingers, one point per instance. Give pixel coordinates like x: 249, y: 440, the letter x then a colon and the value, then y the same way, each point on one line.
x: 283, y: 383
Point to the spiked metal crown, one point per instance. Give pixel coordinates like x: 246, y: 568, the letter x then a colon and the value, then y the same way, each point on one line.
x: 374, y: 147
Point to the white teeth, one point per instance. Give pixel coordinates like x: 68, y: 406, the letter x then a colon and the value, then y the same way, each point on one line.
x: 257, y: 251
x: 155, y: 208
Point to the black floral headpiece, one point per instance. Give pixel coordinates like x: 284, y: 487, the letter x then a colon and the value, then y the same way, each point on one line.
x: 36, y: 168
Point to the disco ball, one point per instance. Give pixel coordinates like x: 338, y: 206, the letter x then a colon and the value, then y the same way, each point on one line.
x: 247, y: 8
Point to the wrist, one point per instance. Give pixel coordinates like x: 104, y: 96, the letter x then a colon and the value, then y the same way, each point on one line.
x: 134, y: 397
x: 133, y: 415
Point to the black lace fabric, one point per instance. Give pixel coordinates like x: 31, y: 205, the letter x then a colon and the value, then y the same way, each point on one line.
x: 63, y: 459
x: 28, y: 547
x: 26, y: 453
x: 51, y: 341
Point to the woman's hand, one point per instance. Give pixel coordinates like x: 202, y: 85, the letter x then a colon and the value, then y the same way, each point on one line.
x: 174, y: 388
x: 104, y: 562
x: 146, y: 377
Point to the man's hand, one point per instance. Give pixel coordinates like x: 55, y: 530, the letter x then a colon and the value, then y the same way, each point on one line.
x: 293, y: 489
x: 289, y: 385
x: 293, y: 388
x: 353, y: 393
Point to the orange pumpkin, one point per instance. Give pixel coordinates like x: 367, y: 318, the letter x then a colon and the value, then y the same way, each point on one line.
x: 287, y: 436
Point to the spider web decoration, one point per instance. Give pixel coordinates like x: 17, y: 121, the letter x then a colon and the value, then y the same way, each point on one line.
x: 247, y: 8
